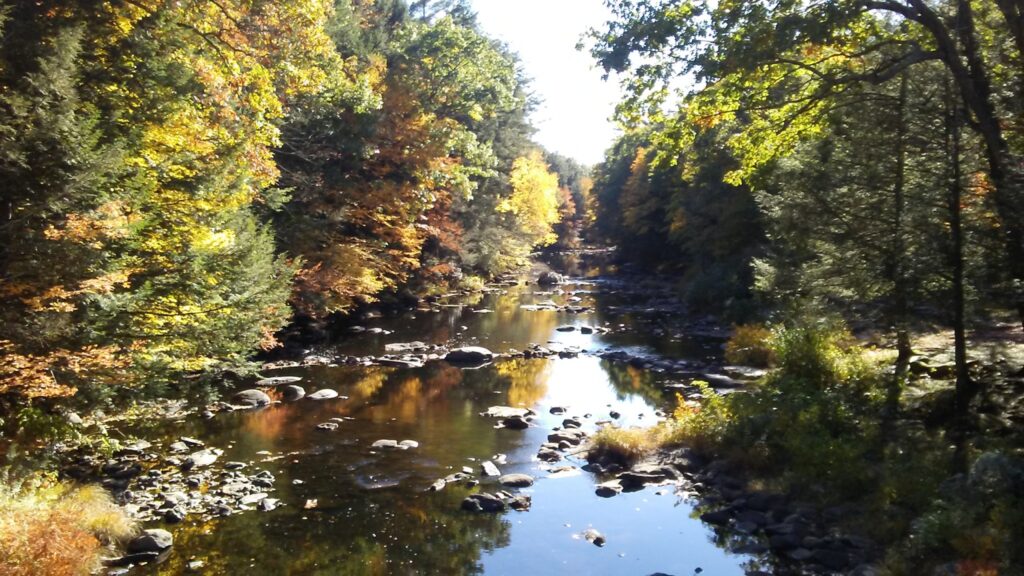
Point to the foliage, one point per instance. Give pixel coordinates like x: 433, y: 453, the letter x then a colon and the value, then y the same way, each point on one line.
x: 750, y: 345
x: 628, y: 445
x: 49, y: 527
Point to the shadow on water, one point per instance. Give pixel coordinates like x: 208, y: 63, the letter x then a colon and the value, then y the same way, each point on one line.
x: 373, y: 512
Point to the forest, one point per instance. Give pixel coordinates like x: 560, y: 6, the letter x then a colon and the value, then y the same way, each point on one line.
x: 195, y: 190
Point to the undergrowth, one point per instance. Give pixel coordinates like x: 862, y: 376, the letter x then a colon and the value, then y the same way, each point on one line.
x: 51, y: 527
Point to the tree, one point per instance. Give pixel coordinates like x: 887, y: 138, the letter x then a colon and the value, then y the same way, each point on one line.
x: 744, y: 56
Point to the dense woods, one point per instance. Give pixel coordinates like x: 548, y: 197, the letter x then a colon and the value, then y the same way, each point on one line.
x: 818, y: 209
x: 862, y: 156
x: 181, y: 180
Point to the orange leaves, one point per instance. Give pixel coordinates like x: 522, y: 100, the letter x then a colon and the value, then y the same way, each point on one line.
x: 45, y: 375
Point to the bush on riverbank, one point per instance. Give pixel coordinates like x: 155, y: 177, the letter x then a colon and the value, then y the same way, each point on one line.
x: 750, y: 345
x: 50, y: 527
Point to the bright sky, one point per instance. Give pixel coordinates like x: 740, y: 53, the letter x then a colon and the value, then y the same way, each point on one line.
x: 576, y: 105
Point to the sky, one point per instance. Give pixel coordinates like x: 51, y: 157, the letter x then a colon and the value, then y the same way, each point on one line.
x: 573, y: 118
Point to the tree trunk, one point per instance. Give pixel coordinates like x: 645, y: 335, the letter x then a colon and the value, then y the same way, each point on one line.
x: 899, y: 264
x: 964, y: 386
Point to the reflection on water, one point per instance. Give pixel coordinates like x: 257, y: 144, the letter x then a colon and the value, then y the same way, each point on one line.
x: 374, y: 514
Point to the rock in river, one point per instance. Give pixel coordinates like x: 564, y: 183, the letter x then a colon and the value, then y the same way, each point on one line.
x: 550, y: 278
x: 153, y: 540
x: 251, y: 398
x: 483, y: 502
x: 469, y: 355
x: 325, y: 394
x: 489, y: 469
x: 507, y: 412
x: 200, y: 459
x: 293, y: 393
x: 594, y: 537
x: 278, y: 381
x: 516, y: 480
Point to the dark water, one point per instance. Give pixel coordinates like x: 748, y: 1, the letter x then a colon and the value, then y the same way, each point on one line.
x: 373, y: 515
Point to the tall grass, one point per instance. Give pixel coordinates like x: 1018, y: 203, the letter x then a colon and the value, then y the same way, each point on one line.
x: 54, y: 528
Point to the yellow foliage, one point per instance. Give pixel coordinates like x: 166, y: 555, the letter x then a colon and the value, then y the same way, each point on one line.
x: 750, y: 345
x: 534, y: 199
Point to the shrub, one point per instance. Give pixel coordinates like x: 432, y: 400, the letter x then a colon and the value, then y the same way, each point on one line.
x: 50, y: 527
x: 628, y: 445
x: 702, y: 427
x: 750, y: 345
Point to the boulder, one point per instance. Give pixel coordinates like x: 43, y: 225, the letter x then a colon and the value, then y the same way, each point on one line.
x: 515, y: 423
x: 566, y: 329
x: 293, y: 393
x: 200, y: 459
x: 489, y: 469
x: 251, y: 398
x: 469, y: 355
x: 516, y: 480
x: 507, y: 412
x: 399, y: 347
x: 407, y: 444
x: 483, y: 502
x: 325, y: 394
x: 571, y: 435
x: 550, y: 279
x: 152, y: 540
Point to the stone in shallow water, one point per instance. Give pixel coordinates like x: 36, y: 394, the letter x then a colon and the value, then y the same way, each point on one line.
x: 489, y: 469
x: 469, y: 355
x: 293, y: 393
x: 152, y: 540
x: 507, y: 412
x: 325, y: 394
x: 278, y: 381
x: 251, y: 398
x: 483, y: 502
x: 516, y: 480
x: 594, y: 537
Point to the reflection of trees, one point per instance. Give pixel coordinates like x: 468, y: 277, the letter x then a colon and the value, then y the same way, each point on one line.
x: 392, y: 533
x: 528, y: 380
x: 630, y: 381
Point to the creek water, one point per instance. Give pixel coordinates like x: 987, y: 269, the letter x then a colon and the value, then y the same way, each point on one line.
x: 374, y: 514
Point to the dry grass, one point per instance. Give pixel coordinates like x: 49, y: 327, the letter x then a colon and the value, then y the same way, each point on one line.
x: 52, y: 528
x: 630, y: 445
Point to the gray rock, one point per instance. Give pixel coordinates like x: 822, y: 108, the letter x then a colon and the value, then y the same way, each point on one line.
x: 293, y: 393
x: 608, y: 489
x: 278, y: 381
x: 268, y: 504
x: 152, y: 540
x: 251, y: 398
x: 469, y: 355
x: 571, y: 435
x: 174, y: 515
x: 393, y: 444
x: 200, y: 459
x: 548, y: 455
x: 516, y: 480
x: 489, y: 469
x: 594, y: 537
x: 571, y: 423
x: 483, y: 502
x: 408, y: 444
x: 327, y: 426
x: 566, y: 329
x: 399, y: 347
x: 550, y: 279
x: 557, y: 410
x: 521, y: 502
x: 515, y: 423
x: 507, y: 412
x: 325, y: 394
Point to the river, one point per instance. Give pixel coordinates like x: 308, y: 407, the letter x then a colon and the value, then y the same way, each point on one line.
x: 346, y: 508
